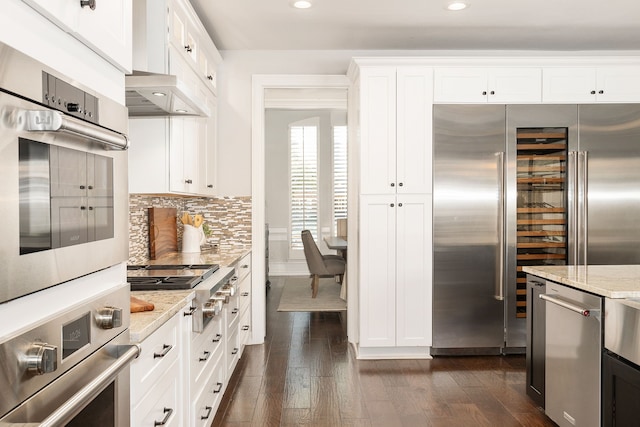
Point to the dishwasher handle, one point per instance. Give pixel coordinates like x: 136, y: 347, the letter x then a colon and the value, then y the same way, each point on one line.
x: 584, y: 311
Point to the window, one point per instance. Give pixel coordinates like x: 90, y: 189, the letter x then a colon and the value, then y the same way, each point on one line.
x: 339, y: 174
x: 303, y: 144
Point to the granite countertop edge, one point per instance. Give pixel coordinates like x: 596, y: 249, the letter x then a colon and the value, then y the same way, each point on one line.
x: 168, y: 303
x: 610, y: 281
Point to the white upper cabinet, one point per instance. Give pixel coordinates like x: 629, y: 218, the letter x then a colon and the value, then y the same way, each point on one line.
x: 103, y: 25
x: 590, y: 84
x: 207, y: 153
x: 480, y: 85
x: 396, y: 142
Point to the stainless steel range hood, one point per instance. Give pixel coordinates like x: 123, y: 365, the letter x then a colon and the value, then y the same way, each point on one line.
x: 156, y: 95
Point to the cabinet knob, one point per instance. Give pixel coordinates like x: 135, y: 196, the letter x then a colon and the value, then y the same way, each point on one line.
x: 393, y: 184
x: 210, y: 186
x: 493, y: 92
x: 399, y: 205
x: 90, y: 3
x: 400, y: 184
x: 209, y: 77
x: 392, y: 205
x: 593, y: 92
x: 484, y: 92
x: 188, y: 48
x: 600, y: 92
x: 188, y: 181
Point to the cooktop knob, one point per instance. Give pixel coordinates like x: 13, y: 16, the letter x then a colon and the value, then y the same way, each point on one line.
x: 212, y: 308
x: 109, y: 317
x: 42, y: 358
x: 229, y: 290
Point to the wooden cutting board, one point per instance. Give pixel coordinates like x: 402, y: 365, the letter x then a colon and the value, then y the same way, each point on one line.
x: 163, y: 233
x: 138, y: 305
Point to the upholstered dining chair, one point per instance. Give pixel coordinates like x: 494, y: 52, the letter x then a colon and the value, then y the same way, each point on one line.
x: 320, y: 265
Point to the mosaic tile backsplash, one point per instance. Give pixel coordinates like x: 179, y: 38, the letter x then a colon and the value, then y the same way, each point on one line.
x: 228, y: 218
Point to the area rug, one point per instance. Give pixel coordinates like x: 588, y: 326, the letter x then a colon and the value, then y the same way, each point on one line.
x: 296, y: 295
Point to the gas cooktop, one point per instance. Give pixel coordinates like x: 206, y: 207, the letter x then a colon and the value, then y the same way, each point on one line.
x: 167, y: 277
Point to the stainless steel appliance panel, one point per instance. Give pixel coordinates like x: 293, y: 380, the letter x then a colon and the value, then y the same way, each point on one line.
x: 573, y: 356
x: 610, y: 137
x: 621, y: 326
x: 469, y: 142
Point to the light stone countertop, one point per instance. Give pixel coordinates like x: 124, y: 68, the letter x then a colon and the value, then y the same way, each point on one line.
x: 168, y: 303
x: 611, y: 281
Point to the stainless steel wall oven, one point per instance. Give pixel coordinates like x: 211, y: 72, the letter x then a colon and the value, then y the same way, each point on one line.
x: 63, y: 192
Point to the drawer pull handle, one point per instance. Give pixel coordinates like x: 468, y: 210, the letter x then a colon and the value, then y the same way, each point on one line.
x: 166, y: 348
x: 235, y: 351
x: 209, y: 409
x: 206, y: 355
x: 245, y: 328
x: 235, y: 311
x: 191, y: 311
x: 245, y: 294
x: 245, y: 266
x: 219, y: 388
x: 217, y: 338
x: 168, y: 412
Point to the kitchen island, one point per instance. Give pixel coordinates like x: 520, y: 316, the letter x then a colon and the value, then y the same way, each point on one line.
x: 575, y: 336
x: 610, y: 281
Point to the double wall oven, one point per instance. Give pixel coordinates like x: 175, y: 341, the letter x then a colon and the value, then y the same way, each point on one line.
x: 64, y: 299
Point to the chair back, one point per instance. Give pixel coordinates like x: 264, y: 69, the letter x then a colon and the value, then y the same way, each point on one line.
x: 312, y: 254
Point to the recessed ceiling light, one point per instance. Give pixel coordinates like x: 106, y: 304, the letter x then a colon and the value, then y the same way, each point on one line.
x: 159, y: 93
x: 301, y: 4
x: 457, y: 5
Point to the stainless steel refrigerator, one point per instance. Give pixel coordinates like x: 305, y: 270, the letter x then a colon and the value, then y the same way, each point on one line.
x: 519, y: 185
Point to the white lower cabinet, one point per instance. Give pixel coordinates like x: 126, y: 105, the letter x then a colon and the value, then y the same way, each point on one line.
x: 157, y: 377
x: 396, y: 265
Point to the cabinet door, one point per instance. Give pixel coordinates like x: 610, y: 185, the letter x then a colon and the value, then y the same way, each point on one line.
x: 618, y: 84
x: 190, y: 154
x: 515, y: 85
x: 378, y: 130
x: 378, y: 271
x: 569, y: 85
x: 68, y: 172
x: 107, y: 29
x: 207, y: 151
x: 414, y: 131
x: 176, y: 155
x: 414, y: 270
x: 460, y: 85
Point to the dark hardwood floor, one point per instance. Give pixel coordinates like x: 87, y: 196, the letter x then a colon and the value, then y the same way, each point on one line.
x: 306, y: 374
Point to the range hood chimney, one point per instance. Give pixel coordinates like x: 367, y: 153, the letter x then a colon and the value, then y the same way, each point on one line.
x: 152, y: 94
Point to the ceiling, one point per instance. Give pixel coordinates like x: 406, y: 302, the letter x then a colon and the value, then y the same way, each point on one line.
x: 422, y: 25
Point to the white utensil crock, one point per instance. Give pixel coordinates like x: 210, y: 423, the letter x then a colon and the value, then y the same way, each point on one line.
x: 192, y: 238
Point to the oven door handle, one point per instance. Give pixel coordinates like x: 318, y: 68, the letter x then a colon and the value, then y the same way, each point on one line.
x: 55, y: 121
x: 84, y: 396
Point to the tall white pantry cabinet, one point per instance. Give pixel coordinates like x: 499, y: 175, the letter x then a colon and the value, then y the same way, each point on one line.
x: 395, y: 210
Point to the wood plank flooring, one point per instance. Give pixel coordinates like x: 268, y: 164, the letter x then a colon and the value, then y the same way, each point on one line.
x: 306, y: 374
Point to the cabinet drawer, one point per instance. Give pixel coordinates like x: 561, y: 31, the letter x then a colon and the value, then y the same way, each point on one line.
x: 159, y: 351
x: 205, y: 405
x: 232, y: 313
x: 244, y: 294
x: 161, y: 403
x: 233, y: 351
x: 243, y: 268
x: 245, y: 327
x: 204, y: 357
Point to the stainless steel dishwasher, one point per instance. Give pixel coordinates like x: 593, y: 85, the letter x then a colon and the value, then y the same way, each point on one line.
x: 573, y: 354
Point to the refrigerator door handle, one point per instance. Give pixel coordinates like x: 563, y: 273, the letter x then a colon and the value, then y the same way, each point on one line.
x: 499, y: 286
x: 572, y: 208
x: 583, y: 208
